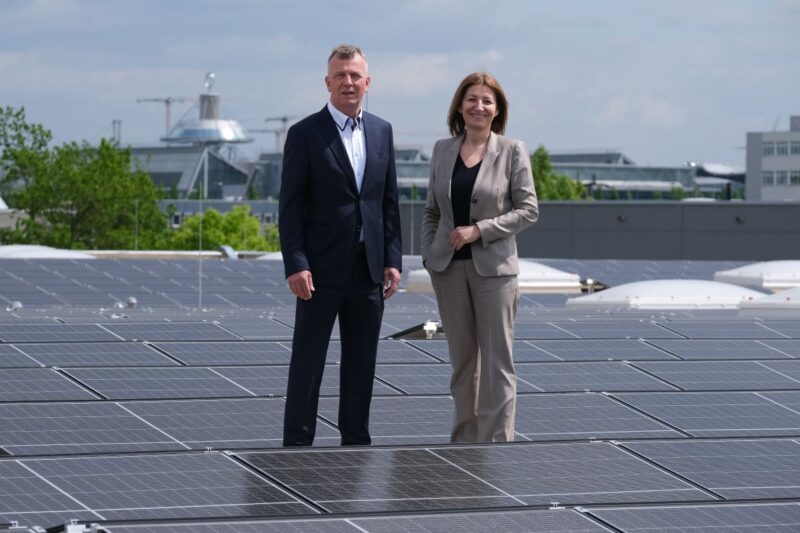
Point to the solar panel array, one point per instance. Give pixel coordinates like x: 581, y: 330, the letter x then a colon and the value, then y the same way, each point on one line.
x: 167, y: 415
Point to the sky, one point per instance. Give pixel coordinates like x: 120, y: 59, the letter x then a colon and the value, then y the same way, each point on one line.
x: 664, y: 81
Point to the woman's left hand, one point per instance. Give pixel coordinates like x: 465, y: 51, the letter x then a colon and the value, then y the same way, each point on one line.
x: 464, y: 235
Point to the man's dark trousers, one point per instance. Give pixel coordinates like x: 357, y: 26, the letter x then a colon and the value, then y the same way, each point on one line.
x: 359, y: 306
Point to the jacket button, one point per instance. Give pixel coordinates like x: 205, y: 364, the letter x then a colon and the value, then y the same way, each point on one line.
x: 474, y: 199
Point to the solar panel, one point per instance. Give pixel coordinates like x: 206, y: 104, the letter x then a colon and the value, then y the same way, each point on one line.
x: 598, y: 350
x: 389, y: 351
x: 723, y: 330
x: 28, y: 498
x: 95, y: 354
x: 228, y: 353
x: 224, y: 424
x: 85, y: 427
x: 377, y: 480
x: 720, y: 349
x: 575, y: 473
x: 720, y: 375
x: 402, y: 420
x: 159, y: 486
x: 788, y: 347
x: 171, y: 331
x: 10, y: 357
x: 157, y: 383
x: 512, y: 521
x: 789, y: 329
x: 788, y: 369
x: 523, y: 351
x: 257, y: 328
x: 54, y: 333
x: 734, y: 469
x: 540, y: 330
x: 618, y: 329
x: 764, y: 518
x: 718, y: 414
x: 426, y: 379
x: 272, y: 380
x: 581, y: 377
x: 38, y: 384
x: 583, y: 416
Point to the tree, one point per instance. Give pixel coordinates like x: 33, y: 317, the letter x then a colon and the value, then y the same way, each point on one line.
x: 237, y: 228
x: 75, y: 195
x: 550, y: 185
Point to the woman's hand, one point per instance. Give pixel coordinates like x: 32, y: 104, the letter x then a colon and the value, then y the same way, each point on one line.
x: 464, y: 235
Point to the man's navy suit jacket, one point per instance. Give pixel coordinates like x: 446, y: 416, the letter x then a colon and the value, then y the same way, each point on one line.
x: 321, y: 208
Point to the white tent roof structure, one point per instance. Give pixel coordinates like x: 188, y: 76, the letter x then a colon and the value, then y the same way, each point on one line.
x: 669, y: 294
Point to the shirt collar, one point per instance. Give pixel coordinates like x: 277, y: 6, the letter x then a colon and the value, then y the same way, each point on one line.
x: 340, y: 118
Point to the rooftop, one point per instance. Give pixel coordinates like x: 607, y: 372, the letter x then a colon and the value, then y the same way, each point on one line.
x: 146, y: 395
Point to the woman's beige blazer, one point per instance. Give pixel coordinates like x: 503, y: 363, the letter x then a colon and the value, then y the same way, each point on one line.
x: 503, y: 204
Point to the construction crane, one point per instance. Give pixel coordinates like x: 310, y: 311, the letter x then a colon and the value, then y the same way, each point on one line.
x: 167, y: 101
x: 281, y: 130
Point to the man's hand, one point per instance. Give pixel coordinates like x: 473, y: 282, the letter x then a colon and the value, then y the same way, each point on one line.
x: 464, y: 235
x: 391, y: 282
x: 301, y: 284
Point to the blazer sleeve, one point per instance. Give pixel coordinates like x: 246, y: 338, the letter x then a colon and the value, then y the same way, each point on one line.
x: 295, y: 178
x: 392, y: 243
x: 524, y: 205
x: 431, y: 214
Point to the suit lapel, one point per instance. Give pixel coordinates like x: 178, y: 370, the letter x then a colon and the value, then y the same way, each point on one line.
x: 449, y: 160
x: 485, y: 173
x: 330, y: 132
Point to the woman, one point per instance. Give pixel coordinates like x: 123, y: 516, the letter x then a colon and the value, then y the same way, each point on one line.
x: 480, y: 196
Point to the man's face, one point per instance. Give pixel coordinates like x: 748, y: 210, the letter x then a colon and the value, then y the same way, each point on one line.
x: 347, y: 81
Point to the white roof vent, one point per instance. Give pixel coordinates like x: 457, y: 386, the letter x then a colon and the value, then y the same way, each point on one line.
x: 533, y: 278
x: 770, y: 275
x: 33, y: 251
x: 669, y: 294
x: 784, y: 300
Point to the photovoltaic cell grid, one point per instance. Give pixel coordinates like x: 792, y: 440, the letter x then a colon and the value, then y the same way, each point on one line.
x: 756, y: 518
x: 515, y: 521
x: 180, y: 380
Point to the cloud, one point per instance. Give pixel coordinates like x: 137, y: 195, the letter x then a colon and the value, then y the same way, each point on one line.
x: 644, y: 109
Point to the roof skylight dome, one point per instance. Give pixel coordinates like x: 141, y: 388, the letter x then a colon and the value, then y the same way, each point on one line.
x: 785, y: 300
x: 669, y: 294
x: 769, y: 275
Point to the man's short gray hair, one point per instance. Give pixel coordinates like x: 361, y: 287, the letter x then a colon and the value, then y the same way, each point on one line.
x: 346, y: 51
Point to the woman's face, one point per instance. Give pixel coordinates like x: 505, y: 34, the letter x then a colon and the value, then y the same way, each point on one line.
x: 479, y: 107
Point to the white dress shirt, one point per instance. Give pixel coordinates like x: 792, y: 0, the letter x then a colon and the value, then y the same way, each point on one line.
x: 353, y: 140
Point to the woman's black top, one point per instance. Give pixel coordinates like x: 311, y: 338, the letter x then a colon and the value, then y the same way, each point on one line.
x: 461, y: 199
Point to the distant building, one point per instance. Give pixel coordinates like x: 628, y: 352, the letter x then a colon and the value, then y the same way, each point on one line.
x: 193, y: 163
x: 413, y: 170
x: 185, y: 170
x: 608, y: 174
x: 773, y: 164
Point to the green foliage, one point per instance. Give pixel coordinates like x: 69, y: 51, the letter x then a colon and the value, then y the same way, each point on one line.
x: 75, y: 195
x: 237, y: 228
x: 550, y: 185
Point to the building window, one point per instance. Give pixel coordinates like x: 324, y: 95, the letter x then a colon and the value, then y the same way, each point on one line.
x: 781, y: 177
x: 768, y: 178
x: 795, y: 148
x: 782, y: 148
x: 768, y: 148
x: 794, y: 178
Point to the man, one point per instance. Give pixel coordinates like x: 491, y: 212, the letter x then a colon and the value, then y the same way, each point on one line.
x: 340, y: 237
